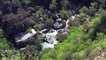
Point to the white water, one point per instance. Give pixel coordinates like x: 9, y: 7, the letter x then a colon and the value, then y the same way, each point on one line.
x: 51, y: 37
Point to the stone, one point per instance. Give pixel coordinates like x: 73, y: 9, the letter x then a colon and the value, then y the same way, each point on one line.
x: 58, y: 25
x: 21, y: 38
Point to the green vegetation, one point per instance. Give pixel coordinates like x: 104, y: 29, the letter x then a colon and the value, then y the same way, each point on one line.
x: 73, y: 49
x: 86, y: 35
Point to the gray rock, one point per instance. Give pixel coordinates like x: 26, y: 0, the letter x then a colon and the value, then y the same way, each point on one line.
x: 58, y: 25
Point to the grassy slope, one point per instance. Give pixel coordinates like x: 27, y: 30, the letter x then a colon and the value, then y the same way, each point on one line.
x: 71, y: 48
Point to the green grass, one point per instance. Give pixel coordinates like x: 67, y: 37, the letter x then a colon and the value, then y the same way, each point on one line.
x: 72, y: 49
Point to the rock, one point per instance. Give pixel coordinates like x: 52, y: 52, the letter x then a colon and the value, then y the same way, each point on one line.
x: 59, y: 25
x: 21, y: 38
x: 56, y: 17
x: 59, y: 19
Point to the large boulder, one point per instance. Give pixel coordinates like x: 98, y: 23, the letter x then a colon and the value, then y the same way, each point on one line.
x: 21, y: 39
x: 59, y: 25
x: 17, y: 43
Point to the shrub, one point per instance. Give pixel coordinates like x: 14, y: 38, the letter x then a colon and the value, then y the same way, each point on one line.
x: 61, y: 37
x: 80, y: 54
x: 91, y: 32
x: 92, y: 9
x: 64, y: 14
x: 67, y: 56
x: 93, y: 53
x: 100, y: 36
x: 1, y: 33
x: 95, y: 21
x: 84, y: 9
x: 4, y: 44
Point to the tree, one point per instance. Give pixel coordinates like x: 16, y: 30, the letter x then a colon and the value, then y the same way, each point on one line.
x: 11, y: 26
x: 53, y: 6
x: 9, y: 6
x: 84, y: 9
x: 65, y: 14
x: 101, y: 3
x: 92, y: 9
x: 65, y: 4
x: 4, y: 44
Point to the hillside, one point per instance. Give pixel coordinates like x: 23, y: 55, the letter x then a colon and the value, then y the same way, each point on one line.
x: 52, y: 29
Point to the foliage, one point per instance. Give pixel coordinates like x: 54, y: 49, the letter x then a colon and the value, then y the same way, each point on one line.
x: 17, y: 16
x: 1, y: 33
x: 4, y: 44
x: 65, y: 14
x: 65, y: 4
x: 72, y: 49
x: 61, y: 37
x: 53, y: 5
x: 92, y: 9
x: 95, y: 21
x: 84, y: 9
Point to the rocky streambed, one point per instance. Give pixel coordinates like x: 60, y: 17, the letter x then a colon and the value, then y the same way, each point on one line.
x: 50, y: 36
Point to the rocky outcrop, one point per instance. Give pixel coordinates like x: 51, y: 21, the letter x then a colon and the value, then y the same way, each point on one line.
x: 21, y: 38
x: 59, y: 24
x: 49, y: 34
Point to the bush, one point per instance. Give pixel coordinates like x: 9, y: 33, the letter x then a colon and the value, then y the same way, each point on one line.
x: 53, y: 6
x: 4, y: 44
x: 64, y: 14
x: 100, y: 36
x: 93, y: 53
x: 67, y: 56
x: 79, y: 55
x: 61, y: 37
x: 1, y: 33
x: 84, y: 9
x: 95, y: 21
x: 91, y: 32
x: 92, y: 9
